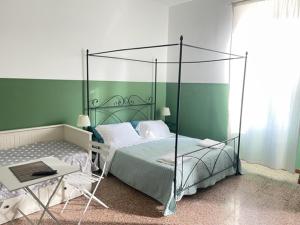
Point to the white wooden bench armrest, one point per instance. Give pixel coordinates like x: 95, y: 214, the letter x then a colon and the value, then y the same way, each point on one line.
x: 77, y: 136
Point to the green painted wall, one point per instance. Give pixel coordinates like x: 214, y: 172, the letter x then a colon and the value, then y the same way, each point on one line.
x: 203, y: 109
x: 32, y: 102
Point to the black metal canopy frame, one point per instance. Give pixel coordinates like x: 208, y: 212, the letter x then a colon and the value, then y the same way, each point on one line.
x: 127, y: 102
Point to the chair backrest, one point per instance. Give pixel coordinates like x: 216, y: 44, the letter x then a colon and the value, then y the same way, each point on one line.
x: 104, y: 152
x: 101, y: 148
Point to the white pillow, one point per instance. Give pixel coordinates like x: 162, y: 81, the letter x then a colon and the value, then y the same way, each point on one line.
x: 153, y: 129
x: 118, y: 135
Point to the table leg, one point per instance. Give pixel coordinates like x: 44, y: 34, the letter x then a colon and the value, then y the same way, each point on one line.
x: 25, y: 216
x: 20, y: 211
x: 45, y: 207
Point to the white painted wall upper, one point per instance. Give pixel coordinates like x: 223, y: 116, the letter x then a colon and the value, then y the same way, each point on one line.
x: 205, y: 23
x: 172, y: 2
x: 45, y: 39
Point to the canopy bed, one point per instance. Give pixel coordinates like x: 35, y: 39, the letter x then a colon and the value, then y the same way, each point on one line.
x: 171, y: 166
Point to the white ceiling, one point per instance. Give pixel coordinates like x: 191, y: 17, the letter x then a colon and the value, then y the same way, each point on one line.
x: 173, y: 2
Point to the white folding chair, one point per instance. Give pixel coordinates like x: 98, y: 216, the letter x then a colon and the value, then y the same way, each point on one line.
x: 81, y: 180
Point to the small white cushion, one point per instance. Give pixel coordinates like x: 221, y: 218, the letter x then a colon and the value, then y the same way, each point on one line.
x: 118, y: 135
x: 153, y: 129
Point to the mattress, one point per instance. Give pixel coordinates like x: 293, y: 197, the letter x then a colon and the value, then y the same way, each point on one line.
x: 65, y: 151
x: 139, y: 167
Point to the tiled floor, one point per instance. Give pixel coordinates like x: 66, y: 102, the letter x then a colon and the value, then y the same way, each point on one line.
x: 281, y: 175
x: 249, y: 199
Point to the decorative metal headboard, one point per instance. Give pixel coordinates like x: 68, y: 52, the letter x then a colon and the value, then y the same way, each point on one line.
x: 117, y: 109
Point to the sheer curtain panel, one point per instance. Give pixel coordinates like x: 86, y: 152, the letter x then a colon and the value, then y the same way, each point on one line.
x: 270, y: 31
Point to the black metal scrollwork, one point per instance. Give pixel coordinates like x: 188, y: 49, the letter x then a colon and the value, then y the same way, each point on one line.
x: 120, y: 101
x: 112, y: 107
x: 198, y: 161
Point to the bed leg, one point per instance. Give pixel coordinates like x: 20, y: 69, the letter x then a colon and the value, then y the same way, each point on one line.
x: 238, y: 173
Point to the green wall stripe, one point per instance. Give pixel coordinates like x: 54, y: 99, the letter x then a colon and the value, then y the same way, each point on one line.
x: 31, y: 102
x: 203, y: 109
x: 37, y: 102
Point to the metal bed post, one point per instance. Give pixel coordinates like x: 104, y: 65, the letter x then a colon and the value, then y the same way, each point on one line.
x: 155, y: 88
x: 177, y: 114
x: 87, y: 83
x: 241, y: 116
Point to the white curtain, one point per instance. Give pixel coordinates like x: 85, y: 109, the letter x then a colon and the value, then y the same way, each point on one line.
x: 270, y: 31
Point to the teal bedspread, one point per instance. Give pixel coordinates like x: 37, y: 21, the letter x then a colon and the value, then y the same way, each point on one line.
x: 138, y: 166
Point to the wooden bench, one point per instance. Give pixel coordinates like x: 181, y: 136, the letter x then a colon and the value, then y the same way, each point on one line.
x: 19, y: 137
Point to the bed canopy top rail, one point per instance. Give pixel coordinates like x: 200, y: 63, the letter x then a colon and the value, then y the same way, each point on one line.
x: 121, y: 58
x: 165, y: 45
x: 230, y: 56
x: 135, y: 48
x: 212, y: 50
x: 168, y: 62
